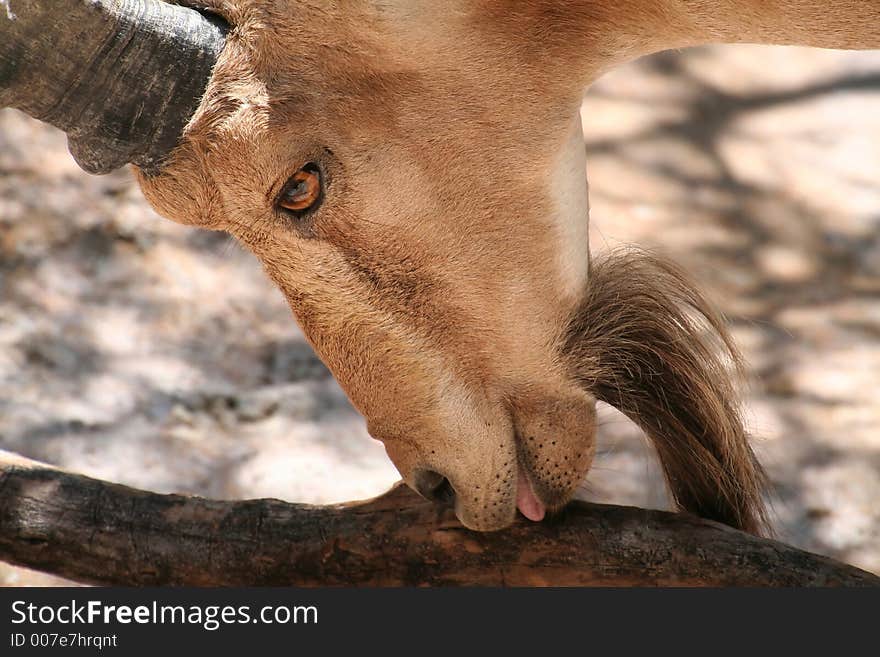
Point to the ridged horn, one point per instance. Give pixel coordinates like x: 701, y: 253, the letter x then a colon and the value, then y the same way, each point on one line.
x: 121, y: 77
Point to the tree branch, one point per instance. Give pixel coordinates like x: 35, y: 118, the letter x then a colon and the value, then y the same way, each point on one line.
x: 98, y: 532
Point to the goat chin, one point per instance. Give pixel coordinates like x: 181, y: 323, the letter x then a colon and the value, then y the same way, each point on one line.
x: 646, y: 341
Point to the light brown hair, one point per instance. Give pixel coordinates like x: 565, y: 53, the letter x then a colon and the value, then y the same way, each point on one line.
x: 646, y: 341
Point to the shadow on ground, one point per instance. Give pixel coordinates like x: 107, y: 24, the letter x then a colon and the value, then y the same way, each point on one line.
x: 759, y: 169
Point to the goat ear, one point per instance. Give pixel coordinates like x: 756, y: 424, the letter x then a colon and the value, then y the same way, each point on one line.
x: 647, y: 342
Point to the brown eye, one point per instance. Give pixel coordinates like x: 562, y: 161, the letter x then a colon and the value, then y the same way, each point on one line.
x: 303, y: 191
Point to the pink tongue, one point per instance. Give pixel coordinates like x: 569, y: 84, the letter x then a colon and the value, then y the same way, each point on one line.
x: 526, y: 502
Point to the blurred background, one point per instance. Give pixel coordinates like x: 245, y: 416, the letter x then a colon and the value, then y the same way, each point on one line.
x: 142, y: 352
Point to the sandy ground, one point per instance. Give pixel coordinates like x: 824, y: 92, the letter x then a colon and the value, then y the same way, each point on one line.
x: 159, y: 356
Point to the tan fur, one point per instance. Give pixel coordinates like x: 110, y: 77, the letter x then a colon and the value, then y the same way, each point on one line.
x: 439, y: 278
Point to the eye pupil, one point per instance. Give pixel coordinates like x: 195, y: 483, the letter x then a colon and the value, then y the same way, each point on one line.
x: 303, y: 190
x: 298, y: 191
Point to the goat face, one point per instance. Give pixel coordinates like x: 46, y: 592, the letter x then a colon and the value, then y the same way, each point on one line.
x: 436, y: 253
x: 449, y: 244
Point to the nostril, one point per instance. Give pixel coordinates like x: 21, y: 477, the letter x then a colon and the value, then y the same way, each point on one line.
x: 444, y: 493
x: 434, y: 486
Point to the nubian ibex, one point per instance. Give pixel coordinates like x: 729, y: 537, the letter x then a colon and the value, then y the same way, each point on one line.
x: 411, y: 174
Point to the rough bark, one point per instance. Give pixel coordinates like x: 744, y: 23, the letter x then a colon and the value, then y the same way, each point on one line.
x: 121, y: 77
x: 97, y: 532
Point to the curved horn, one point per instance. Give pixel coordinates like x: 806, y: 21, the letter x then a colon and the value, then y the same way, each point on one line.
x: 121, y: 77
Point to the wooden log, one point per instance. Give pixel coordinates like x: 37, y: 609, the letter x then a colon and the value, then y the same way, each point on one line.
x: 98, y: 532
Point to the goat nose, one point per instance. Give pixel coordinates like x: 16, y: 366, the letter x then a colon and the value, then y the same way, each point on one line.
x: 434, y: 486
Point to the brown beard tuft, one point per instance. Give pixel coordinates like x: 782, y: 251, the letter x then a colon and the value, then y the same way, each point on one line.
x: 647, y: 342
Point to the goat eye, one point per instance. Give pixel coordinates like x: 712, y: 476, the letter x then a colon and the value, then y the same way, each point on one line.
x: 303, y: 191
